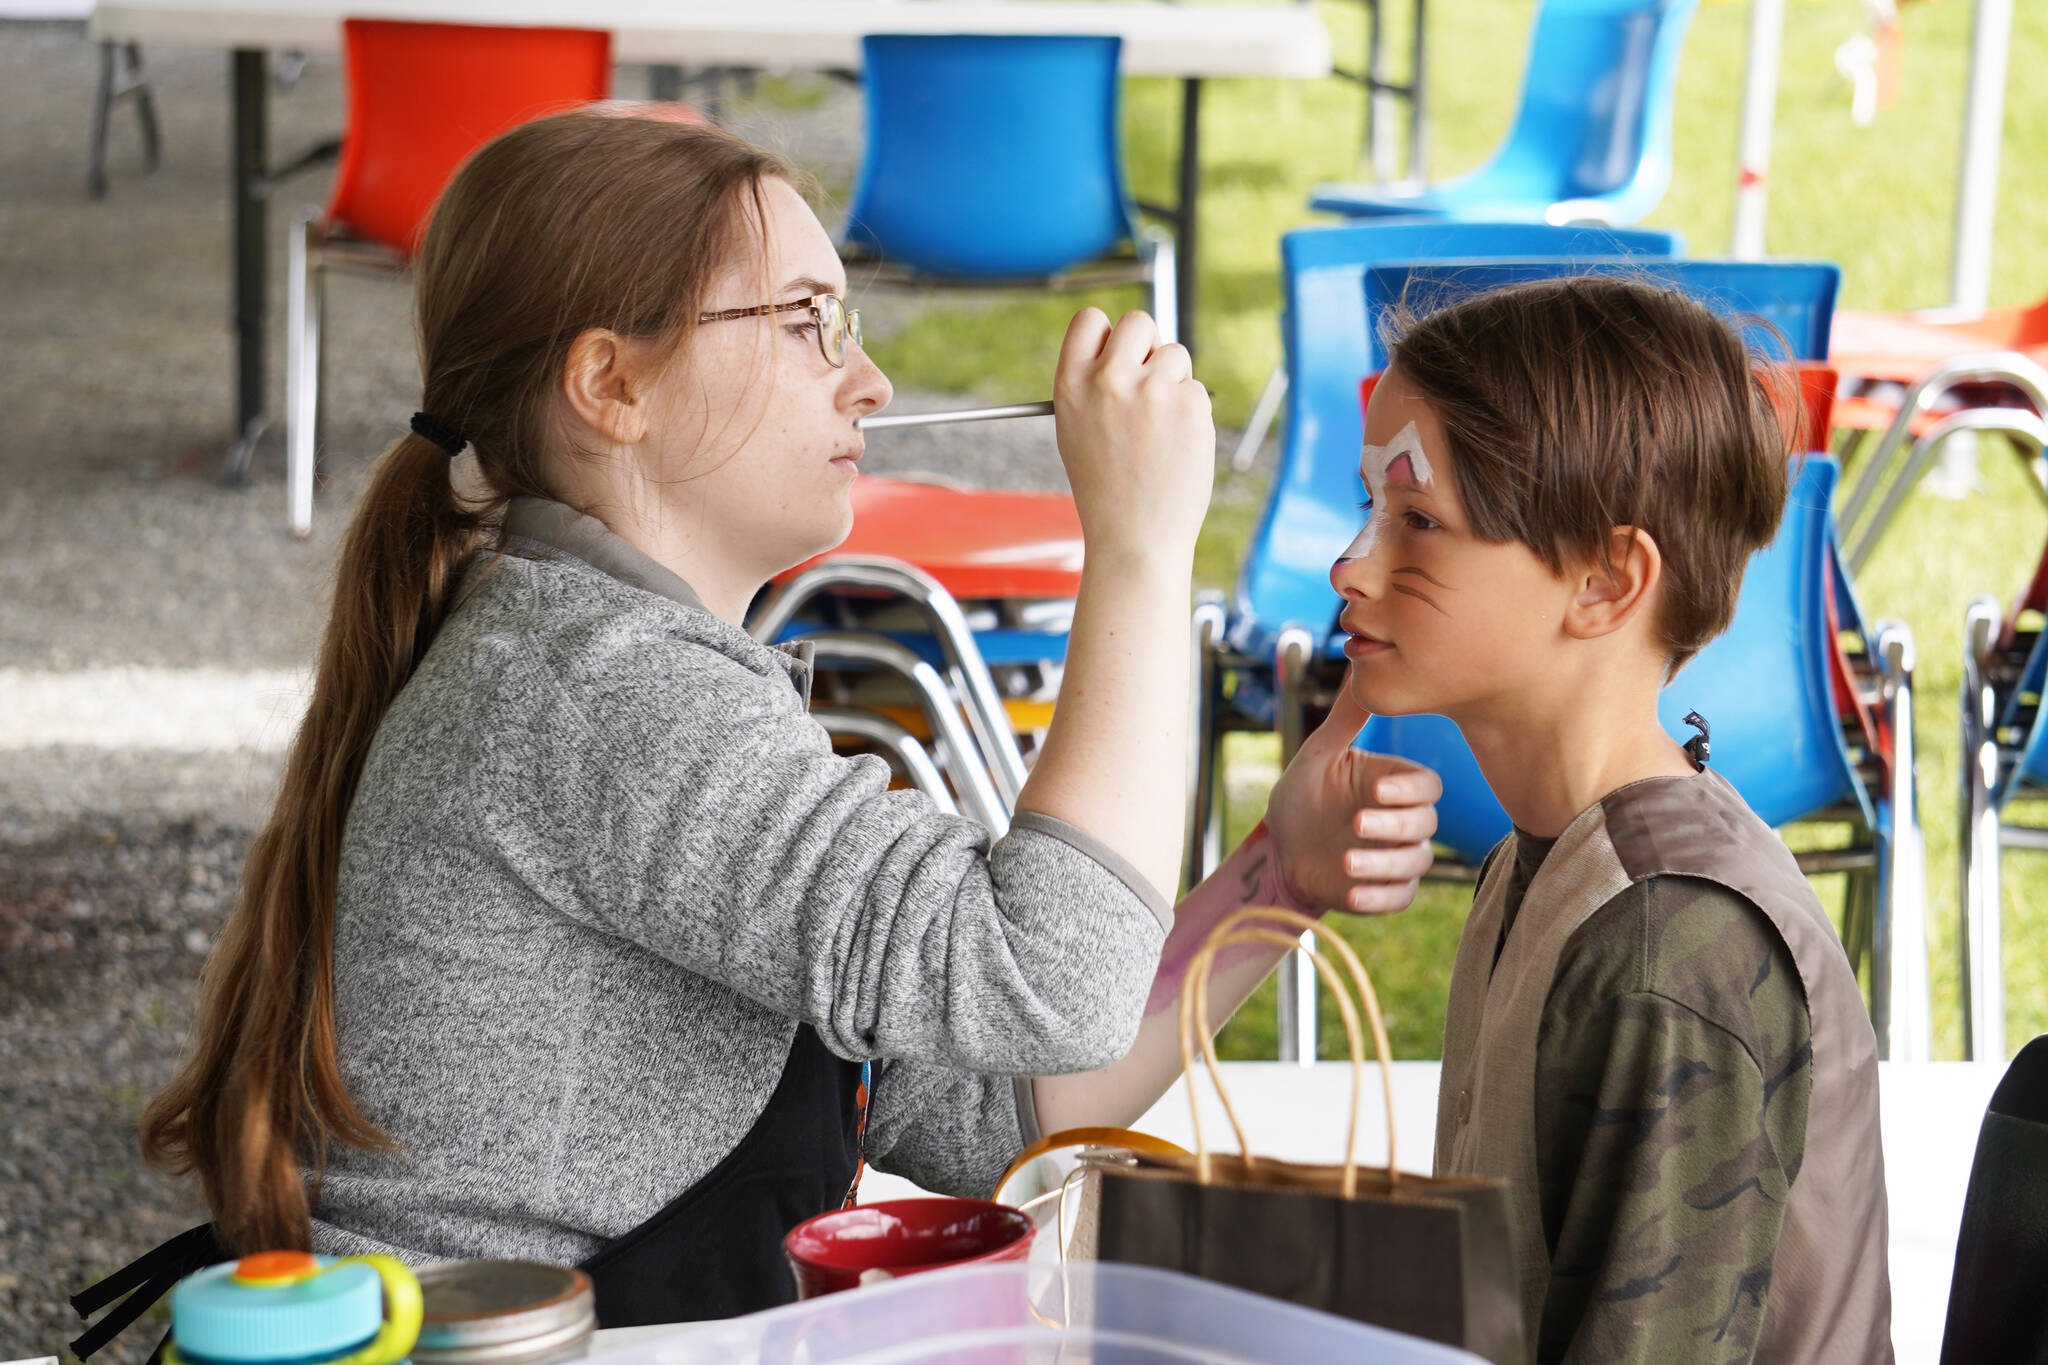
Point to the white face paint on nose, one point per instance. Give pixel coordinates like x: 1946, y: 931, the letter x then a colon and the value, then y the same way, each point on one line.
x: 1375, y: 466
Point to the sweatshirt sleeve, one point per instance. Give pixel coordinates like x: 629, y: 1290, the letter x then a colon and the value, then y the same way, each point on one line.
x: 689, y: 804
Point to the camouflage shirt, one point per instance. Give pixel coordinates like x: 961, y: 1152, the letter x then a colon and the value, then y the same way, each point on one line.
x: 1674, y: 1069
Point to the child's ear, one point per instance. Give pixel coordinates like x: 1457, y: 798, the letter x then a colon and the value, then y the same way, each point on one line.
x: 1609, y: 596
x: 601, y: 384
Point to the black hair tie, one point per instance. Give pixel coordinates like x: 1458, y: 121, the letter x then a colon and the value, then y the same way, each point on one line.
x: 1697, y: 748
x: 439, y: 432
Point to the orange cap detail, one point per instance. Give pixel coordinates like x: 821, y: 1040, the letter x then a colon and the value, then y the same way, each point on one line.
x: 276, y: 1268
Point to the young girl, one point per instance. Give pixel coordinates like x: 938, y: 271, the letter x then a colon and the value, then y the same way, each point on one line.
x: 570, y: 935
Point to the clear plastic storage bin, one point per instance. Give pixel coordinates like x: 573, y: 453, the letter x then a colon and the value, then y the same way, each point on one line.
x: 1036, y: 1314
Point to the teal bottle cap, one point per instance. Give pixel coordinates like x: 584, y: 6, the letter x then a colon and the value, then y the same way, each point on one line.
x: 293, y: 1309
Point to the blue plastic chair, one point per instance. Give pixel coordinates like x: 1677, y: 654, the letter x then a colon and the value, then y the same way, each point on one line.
x: 996, y: 158
x: 1592, y: 137
x: 1796, y: 299
x: 2005, y: 757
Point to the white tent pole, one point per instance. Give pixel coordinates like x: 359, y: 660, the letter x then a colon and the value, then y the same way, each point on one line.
x: 1759, y: 105
x: 1976, y: 203
x: 1977, y: 180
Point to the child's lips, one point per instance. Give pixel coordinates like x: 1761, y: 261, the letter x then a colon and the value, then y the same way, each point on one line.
x: 1361, y: 643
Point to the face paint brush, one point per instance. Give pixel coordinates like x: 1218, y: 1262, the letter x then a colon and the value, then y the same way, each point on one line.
x: 928, y: 419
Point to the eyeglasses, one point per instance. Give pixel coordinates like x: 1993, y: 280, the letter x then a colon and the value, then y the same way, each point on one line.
x: 835, y: 322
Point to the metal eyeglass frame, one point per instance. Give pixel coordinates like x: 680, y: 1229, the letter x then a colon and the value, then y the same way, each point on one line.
x: 849, y: 321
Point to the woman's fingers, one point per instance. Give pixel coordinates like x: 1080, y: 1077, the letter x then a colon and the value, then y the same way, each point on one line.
x: 1412, y: 786
x: 1379, y: 898
x: 1171, y: 363
x: 1405, y: 863
x: 1086, y: 335
x: 1131, y: 342
x: 1396, y: 824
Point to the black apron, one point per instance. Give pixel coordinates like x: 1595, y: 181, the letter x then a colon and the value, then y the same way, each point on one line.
x: 714, y: 1251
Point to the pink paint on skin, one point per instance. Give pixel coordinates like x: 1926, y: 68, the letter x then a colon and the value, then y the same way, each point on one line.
x: 1376, y: 467
x: 1250, y: 876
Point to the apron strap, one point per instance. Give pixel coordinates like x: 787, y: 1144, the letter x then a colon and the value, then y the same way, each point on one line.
x: 144, y: 1280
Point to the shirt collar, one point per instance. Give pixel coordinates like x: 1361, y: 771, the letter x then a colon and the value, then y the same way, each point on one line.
x: 561, y: 527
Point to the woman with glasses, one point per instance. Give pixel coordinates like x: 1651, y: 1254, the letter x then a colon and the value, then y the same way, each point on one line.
x: 570, y: 937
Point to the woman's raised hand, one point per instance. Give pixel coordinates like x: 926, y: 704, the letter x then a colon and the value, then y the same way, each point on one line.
x: 1136, y: 435
x: 1351, y: 829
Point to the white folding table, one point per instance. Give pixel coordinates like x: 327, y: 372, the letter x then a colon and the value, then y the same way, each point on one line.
x: 1188, y: 42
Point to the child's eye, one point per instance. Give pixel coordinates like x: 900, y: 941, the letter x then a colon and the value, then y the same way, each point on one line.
x: 1421, y: 522
x: 1366, y: 506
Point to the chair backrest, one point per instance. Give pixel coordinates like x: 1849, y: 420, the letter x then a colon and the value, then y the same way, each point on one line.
x: 1594, y: 120
x: 990, y: 156
x: 422, y: 97
x: 1793, y: 299
x: 1328, y: 348
x: 1996, y: 1310
x: 1763, y: 686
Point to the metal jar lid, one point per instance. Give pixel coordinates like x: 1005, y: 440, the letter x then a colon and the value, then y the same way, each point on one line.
x: 504, y: 1313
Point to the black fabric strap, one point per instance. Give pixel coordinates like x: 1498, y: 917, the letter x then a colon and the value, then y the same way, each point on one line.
x: 144, y: 1280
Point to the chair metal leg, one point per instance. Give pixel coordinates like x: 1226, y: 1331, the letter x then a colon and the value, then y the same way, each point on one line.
x: 1263, y: 412
x: 1293, y: 653
x: 978, y: 691
x: 2008, y: 367
x: 102, y: 111
x: 1157, y: 246
x: 2012, y: 421
x: 1980, y: 940
x: 304, y: 287
x: 1205, y: 815
x: 1901, y: 1010
x: 901, y: 747
x: 963, y: 757
x: 145, y: 107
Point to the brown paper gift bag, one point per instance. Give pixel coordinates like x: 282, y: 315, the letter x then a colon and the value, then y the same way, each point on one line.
x: 1419, y: 1254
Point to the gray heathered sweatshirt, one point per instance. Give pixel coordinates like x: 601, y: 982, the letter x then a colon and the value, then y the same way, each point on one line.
x: 601, y: 862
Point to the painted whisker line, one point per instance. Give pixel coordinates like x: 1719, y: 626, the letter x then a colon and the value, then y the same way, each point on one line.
x: 1424, y: 575
x: 1419, y: 596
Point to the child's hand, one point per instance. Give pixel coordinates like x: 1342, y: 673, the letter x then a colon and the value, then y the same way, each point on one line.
x: 1350, y: 829
x: 1136, y: 436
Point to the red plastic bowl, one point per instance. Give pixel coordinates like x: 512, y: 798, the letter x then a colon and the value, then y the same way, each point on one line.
x: 902, y: 1237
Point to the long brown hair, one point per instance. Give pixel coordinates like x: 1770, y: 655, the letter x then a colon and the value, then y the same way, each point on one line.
x: 567, y: 223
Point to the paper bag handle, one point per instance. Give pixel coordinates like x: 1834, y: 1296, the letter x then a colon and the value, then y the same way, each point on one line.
x: 1257, y: 924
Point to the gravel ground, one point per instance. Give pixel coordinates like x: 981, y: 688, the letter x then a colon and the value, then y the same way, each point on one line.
x: 117, y: 547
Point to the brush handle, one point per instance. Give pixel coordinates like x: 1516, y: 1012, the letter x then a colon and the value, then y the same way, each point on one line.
x: 927, y: 419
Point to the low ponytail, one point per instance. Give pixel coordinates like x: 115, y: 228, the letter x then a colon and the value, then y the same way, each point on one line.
x: 263, y: 1090
x: 564, y: 224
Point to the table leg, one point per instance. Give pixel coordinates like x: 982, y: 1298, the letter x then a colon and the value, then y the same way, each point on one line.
x: 1184, y: 215
x: 250, y: 139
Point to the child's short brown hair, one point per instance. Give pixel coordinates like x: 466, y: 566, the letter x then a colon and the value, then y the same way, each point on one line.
x: 1576, y: 405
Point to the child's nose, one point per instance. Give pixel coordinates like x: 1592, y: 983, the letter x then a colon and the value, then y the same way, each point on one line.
x: 1357, y: 574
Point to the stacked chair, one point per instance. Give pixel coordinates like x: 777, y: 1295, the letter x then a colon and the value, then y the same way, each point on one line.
x: 2005, y: 755
x: 1812, y: 710
x: 1591, y: 141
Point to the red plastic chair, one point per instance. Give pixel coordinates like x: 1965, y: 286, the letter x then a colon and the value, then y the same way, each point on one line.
x: 1879, y: 354
x: 421, y: 98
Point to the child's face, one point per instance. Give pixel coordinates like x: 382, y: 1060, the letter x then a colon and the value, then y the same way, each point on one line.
x: 760, y: 444
x: 1440, y: 621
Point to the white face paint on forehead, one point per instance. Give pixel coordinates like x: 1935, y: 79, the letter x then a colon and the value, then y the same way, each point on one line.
x: 1402, y: 458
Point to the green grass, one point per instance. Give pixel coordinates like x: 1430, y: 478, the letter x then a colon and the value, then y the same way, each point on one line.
x: 1878, y: 200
